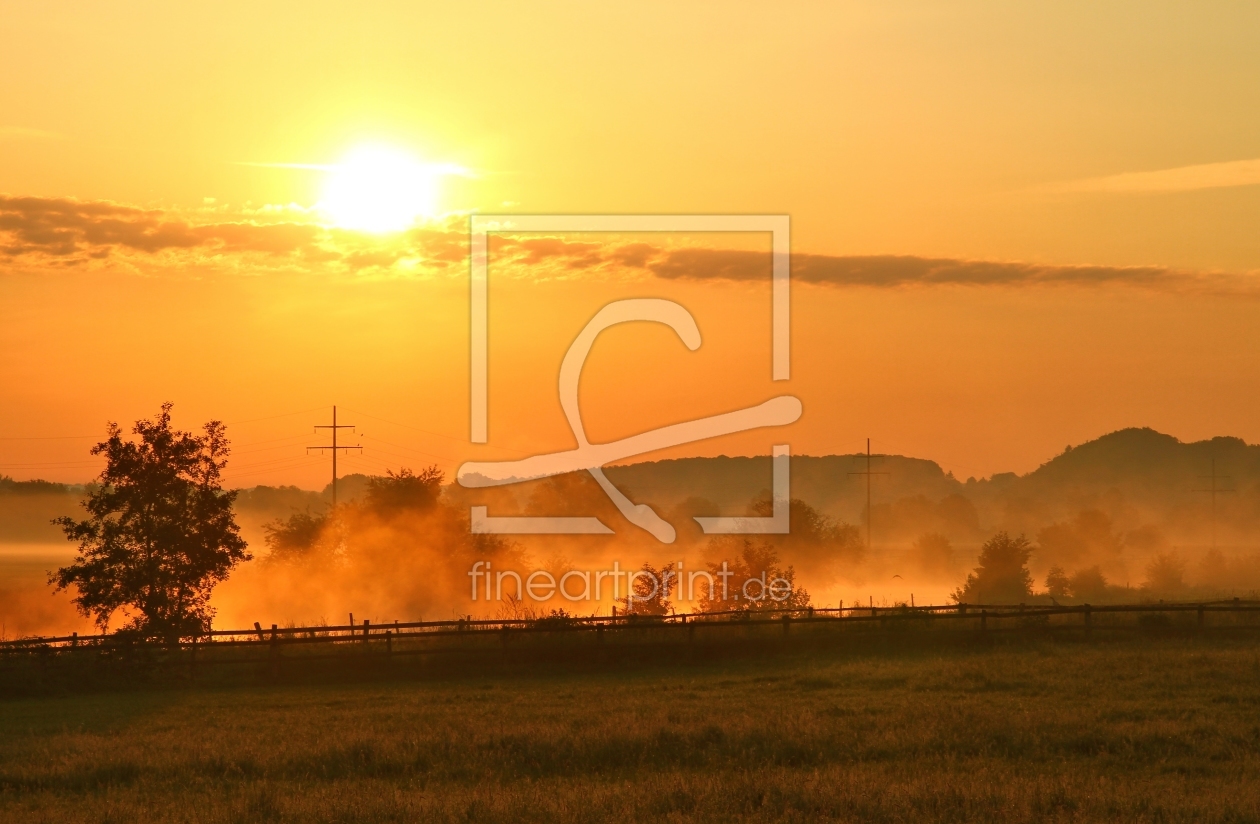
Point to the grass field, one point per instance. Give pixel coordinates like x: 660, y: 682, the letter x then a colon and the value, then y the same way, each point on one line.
x: 1136, y: 729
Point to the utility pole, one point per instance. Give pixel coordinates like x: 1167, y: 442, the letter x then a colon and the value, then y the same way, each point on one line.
x: 868, y: 473
x: 333, y: 446
x: 1214, y: 490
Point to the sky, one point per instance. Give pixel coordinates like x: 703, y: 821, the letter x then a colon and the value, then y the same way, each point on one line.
x: 1014, y: 226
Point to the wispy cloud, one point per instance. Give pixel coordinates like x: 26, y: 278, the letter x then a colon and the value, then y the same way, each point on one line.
x: 1180, y: 179
x: 900, y: 270
x: 59, y: 232
x: 66, y: 232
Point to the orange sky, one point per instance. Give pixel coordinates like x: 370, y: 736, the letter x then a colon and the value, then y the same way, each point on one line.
x: 1029, y: 137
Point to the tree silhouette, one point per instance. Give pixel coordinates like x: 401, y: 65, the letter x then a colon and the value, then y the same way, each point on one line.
x: 1165, y: 574
x: 1088, y: 585
x: 755, y: 565
x: 406, y: 491
x: 296, y: 538
x: 160, y: 532
x: 1002, y: 574
x: 651, y: 590
x: 1057, y: 583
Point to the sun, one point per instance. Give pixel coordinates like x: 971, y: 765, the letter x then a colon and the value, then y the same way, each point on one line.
x: 379, y: 189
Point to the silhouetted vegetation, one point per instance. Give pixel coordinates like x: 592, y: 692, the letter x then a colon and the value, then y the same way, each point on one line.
x: 405, y: 491
x: 1002, y: 575
x: 1166, y: 574
x: 1057, y: 583
x: 294, y: 538
x: 934, y: 554
x: 160, y: 533
x: 1089, y: 585
x: 750, y: 579
x: 652, y: 589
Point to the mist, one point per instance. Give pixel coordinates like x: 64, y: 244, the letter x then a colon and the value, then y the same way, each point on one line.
x: 1127, y: 517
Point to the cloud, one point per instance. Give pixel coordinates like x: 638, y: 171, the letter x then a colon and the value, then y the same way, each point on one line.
x: 66, y: 232
x: 69, y: 232
x: 1180, y: 179
x: 545, y: 257
x: 899, y: 270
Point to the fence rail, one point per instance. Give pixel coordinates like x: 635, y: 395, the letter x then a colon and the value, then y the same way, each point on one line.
x: 979, y: 614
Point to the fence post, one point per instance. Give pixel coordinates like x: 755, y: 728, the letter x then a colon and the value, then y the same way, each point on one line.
x: 74, y: 639
x: 787, y: 623
x: 811, y: 613
x: 389, y: 645
x: 258, y: 627
x: 275, y: 652
x: 367, y: 628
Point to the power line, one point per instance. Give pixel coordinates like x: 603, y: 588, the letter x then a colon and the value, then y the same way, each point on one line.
x: 408, y: 449
x: 50, y: 438
x: 1214, y: 490
x: 868, y: 473
x: 273, y: 417
x: 333, y: 447
x: 428, y: 432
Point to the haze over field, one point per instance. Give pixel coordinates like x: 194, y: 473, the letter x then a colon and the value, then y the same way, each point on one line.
x: 1117, y: 504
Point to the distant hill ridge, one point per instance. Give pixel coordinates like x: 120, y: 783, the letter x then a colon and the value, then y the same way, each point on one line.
x: 1136, y: 467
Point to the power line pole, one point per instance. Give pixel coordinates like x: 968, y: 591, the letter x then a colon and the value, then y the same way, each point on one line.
x: 1214, y: 490
x: 868, y: 473
x: 333, y: 446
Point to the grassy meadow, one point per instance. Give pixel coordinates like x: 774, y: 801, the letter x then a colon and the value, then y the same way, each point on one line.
x: 1132, y: 729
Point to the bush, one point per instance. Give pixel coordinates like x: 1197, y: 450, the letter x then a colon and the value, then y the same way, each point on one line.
x: 1002, y: 575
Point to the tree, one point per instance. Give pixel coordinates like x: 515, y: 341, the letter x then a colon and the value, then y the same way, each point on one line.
x: 160, y: 533
x: 1089, y: 585
x: 819, y: 546
x: 405, y: 491
x: 1166, y: 574
x: 752, y: 582
x: 650, y: 591
x: 1057, y: 583
x: 933, y: 554
x: 296, y: 538
x: 1002, y: 574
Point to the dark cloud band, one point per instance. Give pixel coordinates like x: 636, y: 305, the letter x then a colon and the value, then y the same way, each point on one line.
x: 66, y: 232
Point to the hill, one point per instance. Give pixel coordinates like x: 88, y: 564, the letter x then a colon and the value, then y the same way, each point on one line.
x: 1136, y: 477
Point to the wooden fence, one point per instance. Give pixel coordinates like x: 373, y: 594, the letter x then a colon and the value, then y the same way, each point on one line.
x: 979, y: 617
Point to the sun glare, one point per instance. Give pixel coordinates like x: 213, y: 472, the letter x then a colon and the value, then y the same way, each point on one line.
x: 379, y: 189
